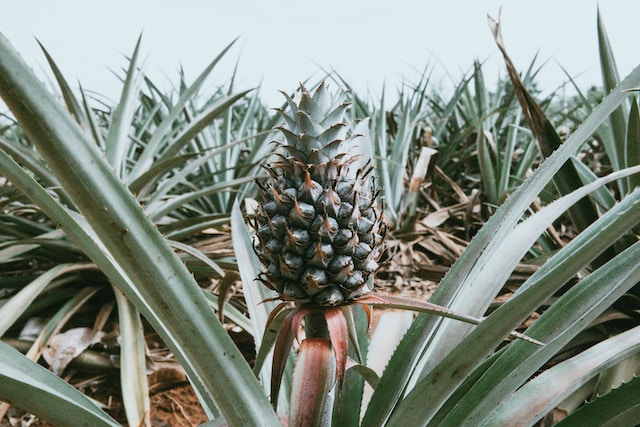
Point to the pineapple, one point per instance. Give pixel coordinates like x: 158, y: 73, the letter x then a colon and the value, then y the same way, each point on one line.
x: 320, y: 229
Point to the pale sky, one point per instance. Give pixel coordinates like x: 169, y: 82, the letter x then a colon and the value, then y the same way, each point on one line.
x: 282, y: 42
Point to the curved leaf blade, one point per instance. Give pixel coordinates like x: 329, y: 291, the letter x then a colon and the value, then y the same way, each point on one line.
x: 164, y: 290
x: 540, y: 395
x: 618, y: 408
x: 133, y: 366
x: 35, y: 389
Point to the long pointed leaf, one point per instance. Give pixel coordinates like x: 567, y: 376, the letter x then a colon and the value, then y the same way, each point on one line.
x: 37, y: 390
x: 159, y: 276
x: 69, y: 98
x: 522, y: 237
x: 557, y: 326
x: 632, y: 146
x: 540, y: 395
x: 133, y: 366
x: 610, y: 79
x: 618, y: 408
x: 117, y: 141
x: 540, y: 286
x: 154, y: 146
x: 10, y: 312
x: 567, y: 180
x: 496, y: 229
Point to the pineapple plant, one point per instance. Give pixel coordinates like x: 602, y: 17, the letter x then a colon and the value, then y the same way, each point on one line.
x: 320, y: 228
x: 320, y: 235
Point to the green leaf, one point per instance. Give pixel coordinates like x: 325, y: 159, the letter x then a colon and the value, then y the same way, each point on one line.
x: 551, y: 277
x: 200, y: 122
x: 257, y: 295
x: 78, y: 230
x: 569, y: 315
x: 69, y: 98
x: 15, y: 249
x: 29, y: 161
x: 133, y: 365
x: 632, y: 146
x: 230, y: 312
x: 602, y: 195
x: 540, y: 395
x: 162, y: 288
x: 10, y: 312
x: 618, y: 119
x: 159, y: 194
x: 144, y: 183
x: 157, y: 141
x: 618, y: 408
x: 567, y: 180
x: 487, y: 169
x: 197, y: 255
x: 32, y: 388
x: 451, y: 288
x: 521, y: 238
x: 346, y: 410
x: 185, y: 198
x: 117, y: 140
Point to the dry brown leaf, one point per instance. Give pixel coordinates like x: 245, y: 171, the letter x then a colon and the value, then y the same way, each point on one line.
x: 66, y: 346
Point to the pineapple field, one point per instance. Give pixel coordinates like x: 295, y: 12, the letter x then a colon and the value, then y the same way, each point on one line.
x: 198, y: 257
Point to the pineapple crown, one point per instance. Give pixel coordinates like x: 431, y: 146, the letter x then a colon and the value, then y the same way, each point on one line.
x: 315, y: 130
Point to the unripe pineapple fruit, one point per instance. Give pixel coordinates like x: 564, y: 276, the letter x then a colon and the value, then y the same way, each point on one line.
x: 319, y: 226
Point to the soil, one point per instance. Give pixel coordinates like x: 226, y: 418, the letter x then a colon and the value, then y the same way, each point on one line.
x: 175, y: 407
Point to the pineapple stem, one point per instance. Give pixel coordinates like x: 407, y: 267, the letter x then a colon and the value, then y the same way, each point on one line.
x: 315, y: 325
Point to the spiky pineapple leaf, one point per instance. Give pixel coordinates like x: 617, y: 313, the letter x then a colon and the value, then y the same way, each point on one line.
x: 157, y: 142
x: 199, y: 255
x: 180, y: 200
x: 556, y: 327
x: 567, y: 180
x: 133, y: 363
x: 158, y: 196
x: 11, y: 311
x: 37, y: 390
x: 602, y: 195
x: 632, y: 146
x: 457, y: 367
x: 201, y: 121
x: 540, y: 395
x: 610, y: 78
x: 117, y: 139
x: 159, y: 284
x: 618, y: 408
x: 230, y: 312
x: 495, y: 230
x: 69, y: 98
x: 540, y: 286
x: 29, y: 161
x: 157, y: 171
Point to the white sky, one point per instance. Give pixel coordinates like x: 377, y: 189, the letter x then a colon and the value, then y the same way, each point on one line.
x: 283, y: 42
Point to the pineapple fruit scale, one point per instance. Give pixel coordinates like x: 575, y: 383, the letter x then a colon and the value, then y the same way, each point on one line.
x: 320, y: 228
